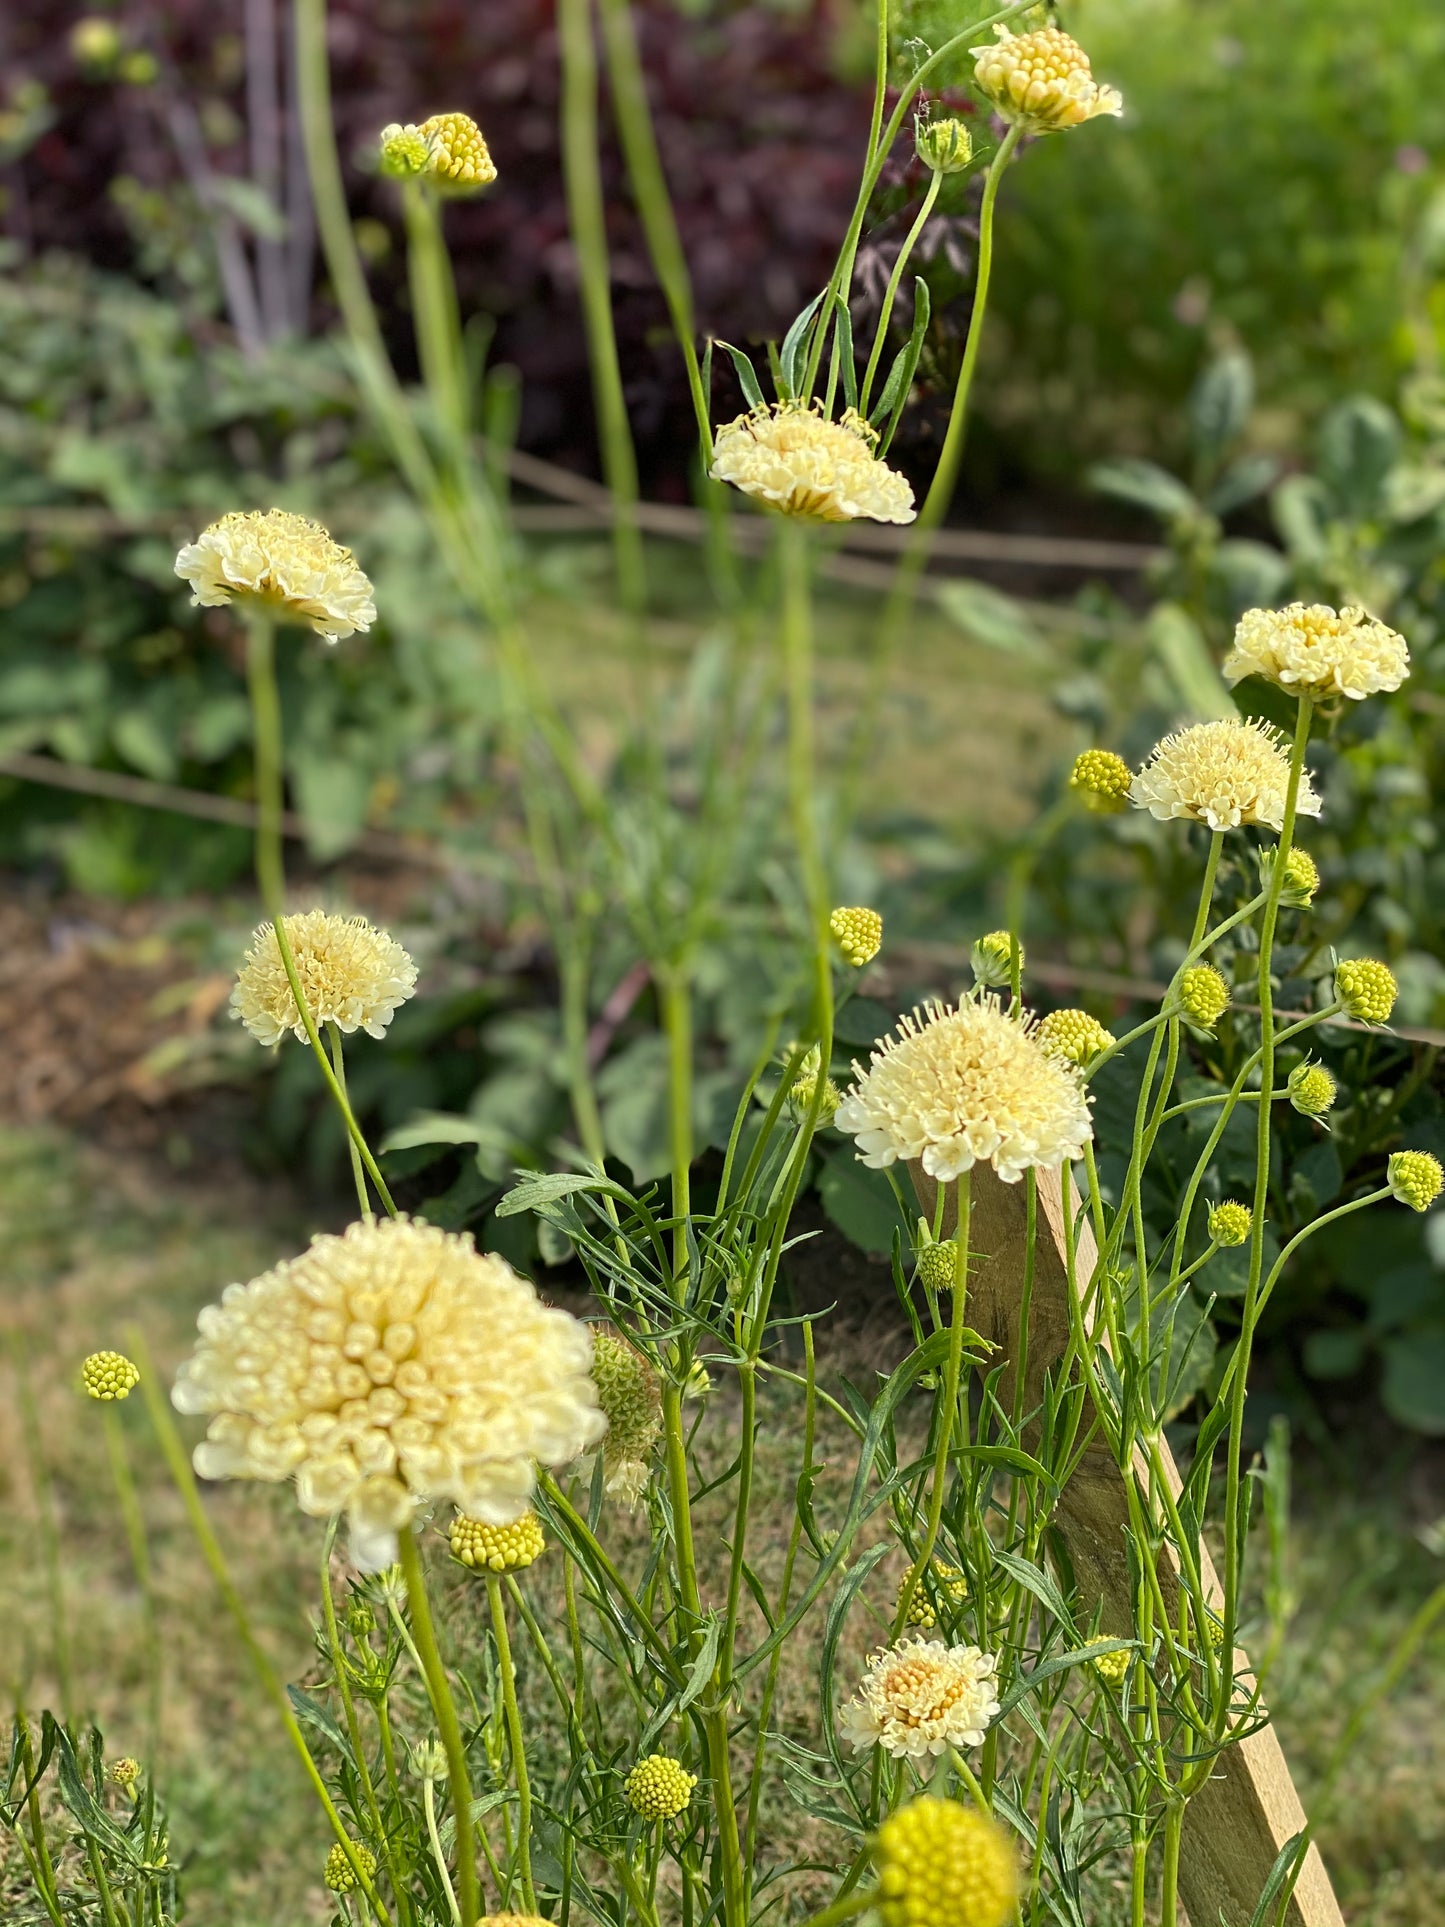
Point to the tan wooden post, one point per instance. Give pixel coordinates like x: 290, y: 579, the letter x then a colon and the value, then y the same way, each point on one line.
x: 1239, y: 1819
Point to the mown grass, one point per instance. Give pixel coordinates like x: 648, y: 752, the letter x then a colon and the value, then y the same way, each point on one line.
x: 93, y: 1241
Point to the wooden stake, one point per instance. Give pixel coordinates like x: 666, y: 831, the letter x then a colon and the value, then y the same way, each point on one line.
x: 1240, y: 1818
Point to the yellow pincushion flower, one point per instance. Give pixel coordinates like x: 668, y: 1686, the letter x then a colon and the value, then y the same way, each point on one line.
x: 288, y: 564
x: 1313, y: 650
x: 352, y: 975
x: 1223, y: 774
x: 340, y: 1876
x: 1114, y: 1667
x: 958, y: 1086
x: 947, y: 1583
x: 991, y: 959
x: 858, y: 934
x: 124, y: 1772
x: 920, y: 1697
x: 942, y: 1864
x: 1102, y: 779
x: 1367, y: 989
x: 458, y: 160
x: 489, y: 1548
x: 1042, y: 81
x: 793, y: 459
x: 387, y: 1369
x: 1415, y: 1178
x: 109, y: 1376
x: 631, y: 1399
x: 1312, y: 1090
x: 1229, y: 1222
x: 1074, y: 1035
x: 658, y: 1787
x: 1203, y: 995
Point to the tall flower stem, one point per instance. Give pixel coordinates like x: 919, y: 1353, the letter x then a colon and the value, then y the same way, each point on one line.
x: 358, y: 1172
x: 514, y: 1738
x: 448, y: 1726
x: 179, y: 1466
x: 270, y: 873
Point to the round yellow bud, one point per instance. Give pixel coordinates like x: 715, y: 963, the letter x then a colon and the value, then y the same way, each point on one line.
x: 1203, y: 995
x: 1312, y: 1090
x: 858, y: 933
x: 94, y: 42
x: 658, y: 1787
x: 1415, y: 1178
x: 941, y: 1864
x: 947, y: 1581
x: 340, y: 1876
x: 945, y: 146
x: 1114, y: 1667
x: 1073, y: 1034
x: 991, y: 959
x: 109, y: 1375
x: 937, y: 1263
x: 507, y: 1548
x: 1229, y: 1222
x: 457, y: 158
x: 1367, y: 989
x: 403, y: 152
x: 1301, y: 877
x: 1103, y: 780
x: 125, y: 1772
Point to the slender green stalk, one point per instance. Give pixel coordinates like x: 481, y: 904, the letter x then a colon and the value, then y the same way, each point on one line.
x: 437, y: 318
x: 885, y: 315
x: 675, y: 995
x: 182, y: 1477
x: 358, y: 1171
x: 514, y: 1739
x: 429, y: 1807
x: 43, y: 1867
x: 135, y: 1532
x: 1169, y: 1899
x: 851, y: 1905
x: 448, y: 1726
x: 588, y: 221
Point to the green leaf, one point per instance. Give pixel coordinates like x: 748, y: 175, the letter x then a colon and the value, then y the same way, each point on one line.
x: 893, y: 400
x: 312, y: 1713
x: 532, y: 1193
x: 1144, y: 485
x: 1177, y: 641
x: 1220, y: 404
x: 859, y: 1201
x: 1241, y: 482
x: 701, y: 1670
x: 441, y: 1127
x: 1035, y: 1580
x: 791, y: 355
x: 1413, y: 1388
x: 747, y: 376
x: 844, y: 335
x: 1334, y: 1354
x: 332, y: 796
x: 996, y: 620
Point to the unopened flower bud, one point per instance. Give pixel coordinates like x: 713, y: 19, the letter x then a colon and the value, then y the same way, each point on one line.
x: 631, y: 1399
x: 109, y: 1376
x: 991, y: 959
x: 1073, y: 1034
x: 1415, y: 1178
x: 658, y: 1787
x: 1301, y: 877
x: 1229, y: 1222
x: 95, y: 43
x: 1312, y: 1090
x: 858, y: 933
x: 945, y: 146
x: 125, y: 1772
x: 1103, y: 780
x: 403, y: 151
x: 487, y: 1548
x: 942, y: 1864
x: 457, y: 157
x: 1114, y: 1667
x: 1203, y: 995
x: 1367, y: 989
x: 340, y: 1876
x: 937, y: 1263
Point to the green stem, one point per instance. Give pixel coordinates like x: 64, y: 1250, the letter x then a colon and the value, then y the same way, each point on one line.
x: 429, y: 1806
x: 1173, y: 1829
x: 353, y: 1728
x: 675, y: 994
x: 358, y: 1173
x: 44, y: 1869
x: 865, y: 394
x: 853, y: 1904
x: 437, y: 320
x: 448, y: 1725
x: 514, y: 1739
x: 587, y: 219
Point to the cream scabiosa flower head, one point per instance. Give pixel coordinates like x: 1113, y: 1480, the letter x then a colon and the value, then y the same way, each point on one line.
x: 1042, y: 80
x: 1313, y: 650
x: 960, y: 1086
x: 385, y: 1369
x: 1224, y: 774
x: 920, y: 1697
x: 285, y: 562
x: 352, y: 975
x: 793, y: 459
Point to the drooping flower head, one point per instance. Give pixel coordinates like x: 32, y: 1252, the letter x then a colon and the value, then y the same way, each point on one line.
x: 659, y: 1787
x: 959, y: 1086
x: 1415, y: 1178
x: 858, y: 933
x: 793, y: 459
x: 1102, y: 779
x: 386, y: 1369
x: 487, y: 1548
x: 1313, y: 650
x: 992, y: 958
x: 1042, y: 80
x: 352, y: 975
x: 1223, y: 774
x: 920, y: 1697
x: 109, y: 1376
x: 1367, y: 989
x: 1073, y: 1035
x: 942, y: 1864
x: 285, y: 562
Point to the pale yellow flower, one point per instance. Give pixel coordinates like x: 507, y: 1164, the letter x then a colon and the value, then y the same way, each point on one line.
x: 1224, y: 774
x: 793, y: 459
x: 942, y: 1864
x: 387, y: 1369
x: 352, y: 975
x: 286, y: 563
x: 1042, y: 80
x: 1312, y: 650
x: 957, y: 1087
x: 920, y: 1697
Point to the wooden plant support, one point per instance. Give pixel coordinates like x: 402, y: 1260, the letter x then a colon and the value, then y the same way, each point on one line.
x: 1239, y: 1819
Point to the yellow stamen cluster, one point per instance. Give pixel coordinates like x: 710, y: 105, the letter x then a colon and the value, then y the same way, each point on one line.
x: 125, y: 1772
x: 942, y: 1864
x: 1102, y: 779
x: 937, y: 1263
x: 793, y: 459
x: 1415, y: 1178
x: 1223, y: 774
x: 284, y: 562
x: 1367, y: 989
x: 631, y: 1399
x: 1229, y: 1222
x: 945, y: 146
x: 920, y: 1697
x: 658, y: 1787
x: 1312, y: 650
x: 947, y: 1583
x: 1114, y: 1667
x: 403, y: 152
x: 1203, y: 995
x: 1073, y: 1034
x: 1301, y: 877
x: 858, y: 933
x: 340, y: 1876
x: 109, y: 1376
x: 1312, y: 1090
x: 351, y: 974
x: 457, y: 156
x: 991, y: 959
x: 1042, y: 80
x: 488, y: 1548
